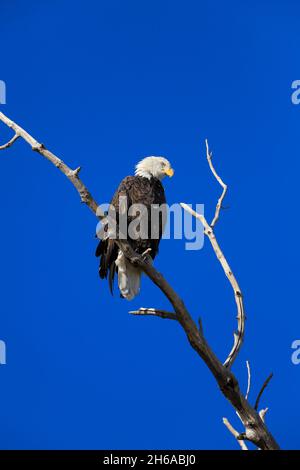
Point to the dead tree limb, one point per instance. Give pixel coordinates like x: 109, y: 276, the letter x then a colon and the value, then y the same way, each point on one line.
x: 209, y: 232
x: 235, y: 433
x: 10, y: 142
x: 155, y: 313
x: 255, y: 429
x: 264, y: 386
x: 220, y: 181
x: 249, y: 380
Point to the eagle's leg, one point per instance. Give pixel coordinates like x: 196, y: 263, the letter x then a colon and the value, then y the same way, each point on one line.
x: 129, y: 277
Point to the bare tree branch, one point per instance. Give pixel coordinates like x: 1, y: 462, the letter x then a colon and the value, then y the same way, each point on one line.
x: 249, y: 380
x: 10, y: 142
x: 72, y: 175
x: 236, y: 434
x: 209, y: 232
x: 155, y: 313
x: 239, y: 335
x: 264, y: 386
x: 220, y: 181
x: 255, y: 429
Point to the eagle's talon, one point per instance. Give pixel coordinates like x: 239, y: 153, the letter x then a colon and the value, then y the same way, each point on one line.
x: 146, y: 251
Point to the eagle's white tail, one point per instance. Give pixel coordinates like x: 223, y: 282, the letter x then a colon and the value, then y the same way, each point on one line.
x: 129, y: 277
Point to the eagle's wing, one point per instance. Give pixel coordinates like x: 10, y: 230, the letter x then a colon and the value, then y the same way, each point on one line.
x: 137, y: 190
x: 107, y: 249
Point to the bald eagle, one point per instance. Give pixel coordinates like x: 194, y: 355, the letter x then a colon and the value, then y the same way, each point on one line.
x: 145, y: 192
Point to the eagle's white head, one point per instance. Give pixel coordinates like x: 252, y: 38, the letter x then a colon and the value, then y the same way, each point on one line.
x: 157, y: 167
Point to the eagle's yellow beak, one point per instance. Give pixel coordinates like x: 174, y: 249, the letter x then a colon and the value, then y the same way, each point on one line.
x: 169, y: 172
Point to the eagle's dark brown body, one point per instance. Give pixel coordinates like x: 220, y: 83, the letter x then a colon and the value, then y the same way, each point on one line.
x: 137, y: 190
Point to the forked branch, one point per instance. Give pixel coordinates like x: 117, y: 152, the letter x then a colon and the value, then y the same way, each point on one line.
x: 255, y: 429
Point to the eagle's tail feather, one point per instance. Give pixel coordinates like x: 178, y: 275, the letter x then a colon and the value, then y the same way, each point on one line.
x: 129, y: 277
x: 112, y: 271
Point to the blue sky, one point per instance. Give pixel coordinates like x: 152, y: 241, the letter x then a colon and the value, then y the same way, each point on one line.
x: 103, y: 84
